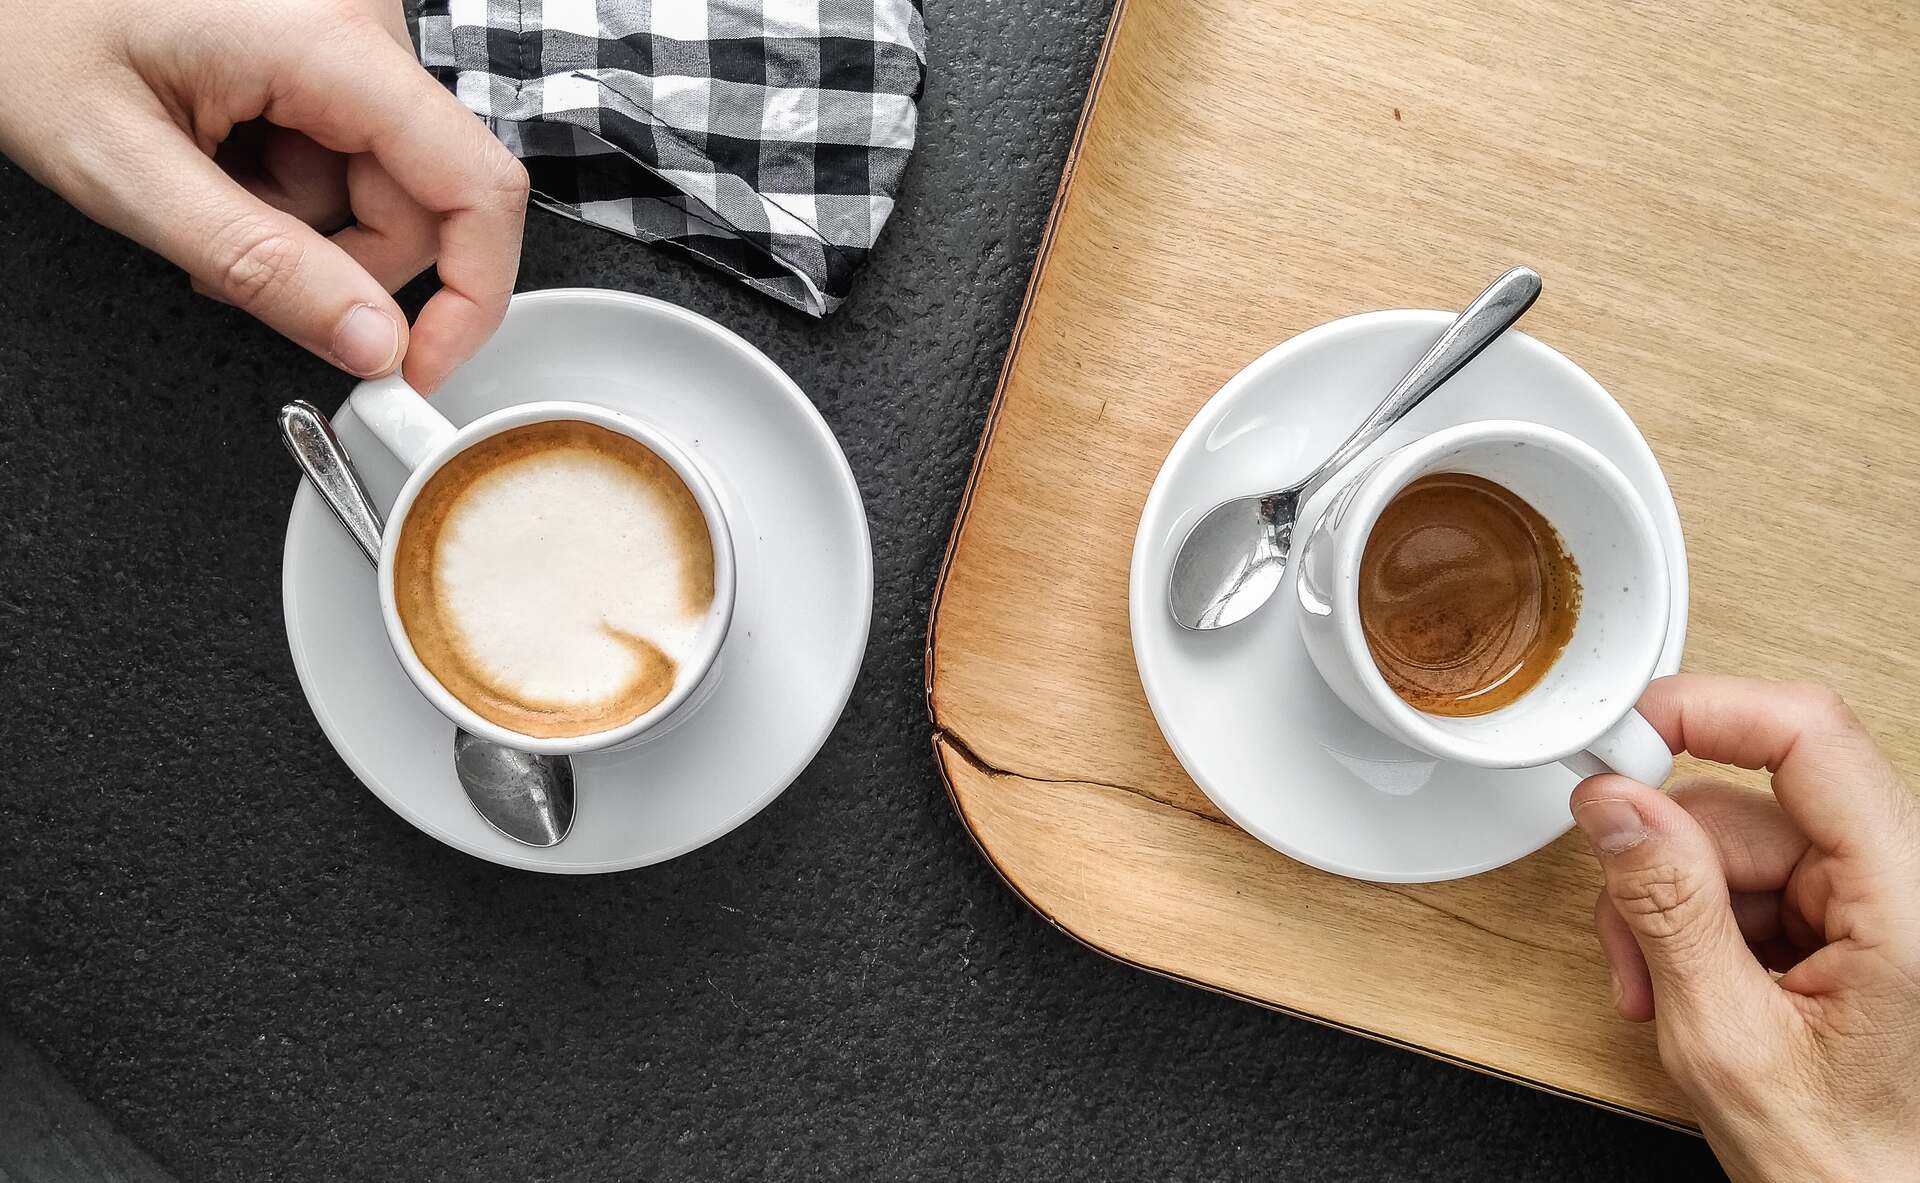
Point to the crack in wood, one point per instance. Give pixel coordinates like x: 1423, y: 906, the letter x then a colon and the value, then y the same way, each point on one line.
x: 979, y: 764
x: 974, y: 760
x: 1470, y: 922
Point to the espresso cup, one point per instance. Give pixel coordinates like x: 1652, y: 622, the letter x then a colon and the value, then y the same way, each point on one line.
x: 1580, y: 711
x: 424, y: 441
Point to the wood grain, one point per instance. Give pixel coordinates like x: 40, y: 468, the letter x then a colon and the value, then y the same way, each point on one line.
x: 1725, y: 202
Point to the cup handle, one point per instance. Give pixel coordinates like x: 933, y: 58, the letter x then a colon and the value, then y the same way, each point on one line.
x: 402, y: 419
x: 1631, y: 748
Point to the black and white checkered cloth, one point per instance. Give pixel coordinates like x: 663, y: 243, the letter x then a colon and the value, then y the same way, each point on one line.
x: 766, y: 137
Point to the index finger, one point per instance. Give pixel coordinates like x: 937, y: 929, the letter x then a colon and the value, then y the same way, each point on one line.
x: 444, y: 157
x: 1829, y: 775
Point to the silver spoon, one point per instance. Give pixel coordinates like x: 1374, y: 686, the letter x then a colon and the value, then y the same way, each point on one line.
x: 1233, y: 558
x: 528, y: 798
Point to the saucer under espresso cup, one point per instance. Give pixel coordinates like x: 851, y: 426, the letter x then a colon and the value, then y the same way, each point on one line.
x: 803, y: 577
x: 1245, y: 710
x: 1580, y: 713
x: 423, y: 439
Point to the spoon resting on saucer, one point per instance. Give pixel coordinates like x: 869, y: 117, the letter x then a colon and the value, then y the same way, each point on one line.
x: 1233, y: 558
x: 528, y: 798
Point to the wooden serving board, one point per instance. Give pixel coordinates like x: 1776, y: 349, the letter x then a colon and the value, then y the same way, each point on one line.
x: 1724, y: 199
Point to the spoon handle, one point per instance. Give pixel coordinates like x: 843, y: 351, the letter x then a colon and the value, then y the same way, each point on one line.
x: 310, y: 438
x: 1491, y: 314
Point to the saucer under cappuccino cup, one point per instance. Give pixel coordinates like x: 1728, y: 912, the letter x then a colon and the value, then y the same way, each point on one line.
x: 1587, y: 641
x: 555, y: 577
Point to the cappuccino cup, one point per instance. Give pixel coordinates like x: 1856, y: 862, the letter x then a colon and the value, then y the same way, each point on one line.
x: 1573, y: 702
x: 555, y: 577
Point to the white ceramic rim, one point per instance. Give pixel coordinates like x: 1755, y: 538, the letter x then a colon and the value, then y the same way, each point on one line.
x: 719, y: 615
x: 1378, y: 485
x: 1144, y: 596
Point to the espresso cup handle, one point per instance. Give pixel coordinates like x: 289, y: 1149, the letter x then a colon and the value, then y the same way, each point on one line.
x: 401, y: 418
x: 1631, y: 748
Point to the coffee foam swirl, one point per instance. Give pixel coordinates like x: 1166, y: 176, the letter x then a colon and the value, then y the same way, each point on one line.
x: 555, y: 577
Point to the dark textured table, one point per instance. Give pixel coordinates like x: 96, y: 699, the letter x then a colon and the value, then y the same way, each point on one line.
x: 258, y: 972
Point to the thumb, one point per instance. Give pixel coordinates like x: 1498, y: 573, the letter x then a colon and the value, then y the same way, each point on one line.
x: 177, y: 201
x: 1663, y: 876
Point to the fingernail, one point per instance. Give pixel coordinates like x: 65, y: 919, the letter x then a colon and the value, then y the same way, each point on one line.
x: 1612, y: 825
x: 366, y: 341
x: 1613, y: 984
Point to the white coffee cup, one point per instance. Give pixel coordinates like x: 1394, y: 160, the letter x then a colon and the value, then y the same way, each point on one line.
x: 424, y: 440
x: 1580, y: 713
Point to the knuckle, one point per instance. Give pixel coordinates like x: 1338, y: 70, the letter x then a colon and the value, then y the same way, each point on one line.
x: 345, y: 17
x: 255, y: 263
x: 1659, y: 901
x: 507, y: 178
x: 1822, y: 703
x: 332, y: 25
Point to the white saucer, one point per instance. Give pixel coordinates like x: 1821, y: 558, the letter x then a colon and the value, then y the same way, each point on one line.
x: 1244, y: 709
x: 800, y: 623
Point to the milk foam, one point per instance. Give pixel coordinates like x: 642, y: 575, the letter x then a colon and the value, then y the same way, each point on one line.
x: 544, y: 562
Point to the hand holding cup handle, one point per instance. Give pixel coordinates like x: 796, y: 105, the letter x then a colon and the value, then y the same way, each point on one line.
x: 1630, y: 748
x: 1773, y: 939
x: 402, y: 418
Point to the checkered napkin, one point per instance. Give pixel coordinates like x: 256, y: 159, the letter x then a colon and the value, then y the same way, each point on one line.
x: 767, y: 137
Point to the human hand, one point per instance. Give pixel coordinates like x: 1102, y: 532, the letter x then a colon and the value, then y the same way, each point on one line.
x: 228, y: 134
x: 1711, y: 892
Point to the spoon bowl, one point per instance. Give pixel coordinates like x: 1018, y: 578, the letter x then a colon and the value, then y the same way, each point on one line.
x: 1235, y: 555
x: 528, y: 798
